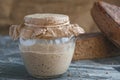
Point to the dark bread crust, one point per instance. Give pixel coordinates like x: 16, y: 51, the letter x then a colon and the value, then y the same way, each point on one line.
x: 94, y: 45
x: 106, y: 23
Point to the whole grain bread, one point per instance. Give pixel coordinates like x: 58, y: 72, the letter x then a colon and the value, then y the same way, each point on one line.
x: 107, y: 17
x: 94, y: 45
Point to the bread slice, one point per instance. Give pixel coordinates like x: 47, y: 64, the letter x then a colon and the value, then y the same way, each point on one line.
x: 94, y: 45
x: 107, y: 17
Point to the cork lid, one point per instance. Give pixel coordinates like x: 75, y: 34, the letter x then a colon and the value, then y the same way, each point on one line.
x: 46, y: 19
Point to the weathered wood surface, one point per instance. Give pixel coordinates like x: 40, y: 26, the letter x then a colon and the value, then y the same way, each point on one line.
x: 12, y: 67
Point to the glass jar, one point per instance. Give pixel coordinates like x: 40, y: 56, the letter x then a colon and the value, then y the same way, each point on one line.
x: 47, y: 58
x: 47, y: 43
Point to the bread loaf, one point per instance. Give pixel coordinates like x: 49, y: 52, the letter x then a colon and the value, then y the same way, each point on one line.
x: 94, y: 45
x: 107, y: 17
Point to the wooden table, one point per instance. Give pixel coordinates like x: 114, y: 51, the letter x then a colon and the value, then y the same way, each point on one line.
x: 12, y: 67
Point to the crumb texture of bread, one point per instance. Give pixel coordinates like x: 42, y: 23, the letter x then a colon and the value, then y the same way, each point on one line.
x: 94, y: 45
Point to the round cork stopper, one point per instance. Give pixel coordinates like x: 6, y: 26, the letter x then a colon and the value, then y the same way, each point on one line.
x: 46, y: 19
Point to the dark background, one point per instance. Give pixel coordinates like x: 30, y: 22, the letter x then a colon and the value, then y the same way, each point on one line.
x: 13, y: 11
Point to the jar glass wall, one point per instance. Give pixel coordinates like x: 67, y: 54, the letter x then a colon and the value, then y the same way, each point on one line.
x: 47, y: 58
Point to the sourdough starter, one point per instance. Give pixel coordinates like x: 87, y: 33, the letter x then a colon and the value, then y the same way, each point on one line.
x: 47, y: 59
